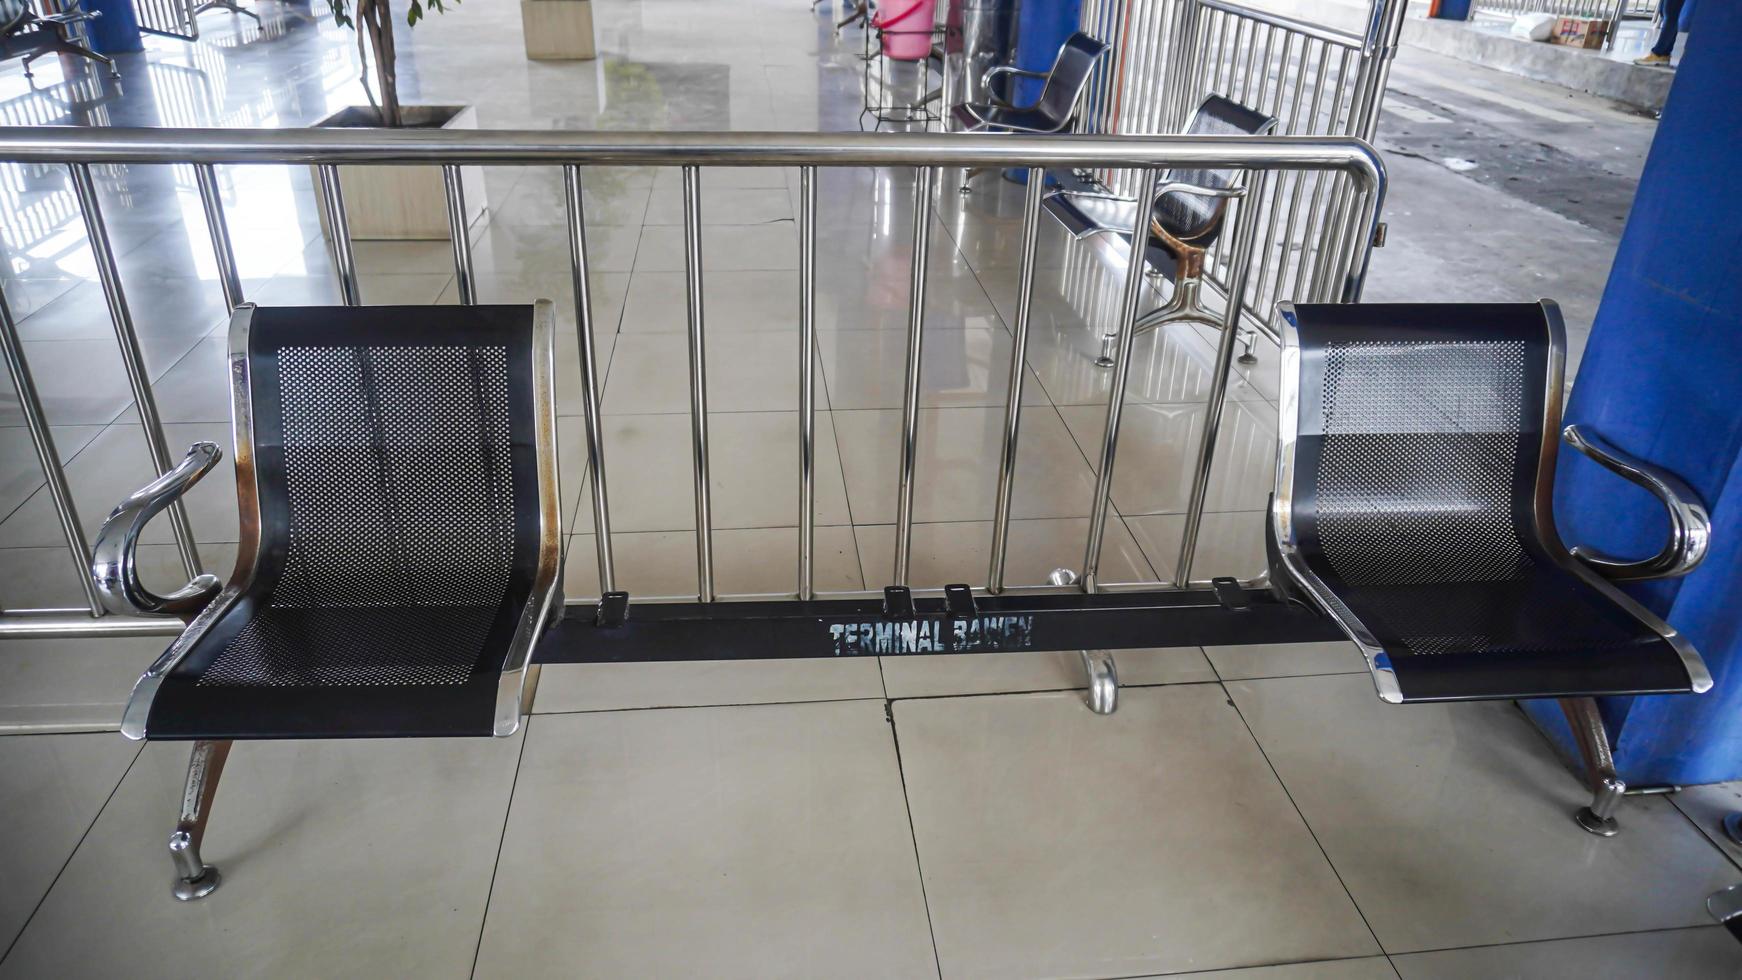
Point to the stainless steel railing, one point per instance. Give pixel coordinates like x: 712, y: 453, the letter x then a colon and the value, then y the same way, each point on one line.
x: 205, y: 150
x: 1314, y: 79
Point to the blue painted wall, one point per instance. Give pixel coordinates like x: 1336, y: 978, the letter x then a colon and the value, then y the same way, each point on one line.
x: 1662, y: 378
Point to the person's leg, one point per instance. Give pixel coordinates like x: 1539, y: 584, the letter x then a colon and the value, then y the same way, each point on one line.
x: 1672, y: 15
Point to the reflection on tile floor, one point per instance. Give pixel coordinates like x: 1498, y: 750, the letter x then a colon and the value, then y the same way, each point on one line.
x: 1252, y: 811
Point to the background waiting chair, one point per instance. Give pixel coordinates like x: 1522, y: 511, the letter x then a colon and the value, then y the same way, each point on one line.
x: 24, y: 31
x: 1053, y: 111
x: 399, y: 546
x: 1187, y: 217
x: 1414, y: 492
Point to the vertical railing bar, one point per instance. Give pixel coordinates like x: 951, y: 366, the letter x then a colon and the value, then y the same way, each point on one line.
x: 1018, y: 374
x: 339, y: 228
x: 583, y: 288
x: 1263, y: 67
x: 1272, y: 244
x: 127, y: 337
x: 229, y: 279
x: 459, y: 233
x: 1318, y: 218
x: 42, y: 438
x: 807, y: 374
x: 922, y: 212
x: 1245, y: 234
x: 1121, y: 372
x: 1300, y: 175
x: 692, y: 229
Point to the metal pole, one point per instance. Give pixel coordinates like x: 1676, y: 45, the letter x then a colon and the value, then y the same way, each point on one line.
x: 1245, y: 232
x: 583, y: 287
x: 1121, y: 372
x: 131, y: 358
x: 459, y: 233
x: 910, y: 402
x: 692, y: 233
x: 807, y: 377
x: 41, y: 437
x: 1018, y: 372
x: 339, y: 228
x: 219, y: 229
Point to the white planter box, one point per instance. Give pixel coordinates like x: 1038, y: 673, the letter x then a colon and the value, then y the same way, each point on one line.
x: 558, y: 30
x: 400, y: 202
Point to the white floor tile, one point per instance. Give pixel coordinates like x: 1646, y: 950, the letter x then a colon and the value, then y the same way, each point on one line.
x: 350, y: 858
x: 51, y: 789
x: 1707, y: 953
x: 1452, y: 824
x: 729, y: 842
x: 1159, y: 831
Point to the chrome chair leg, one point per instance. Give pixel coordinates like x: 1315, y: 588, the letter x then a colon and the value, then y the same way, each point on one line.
x: 1607, y: 787
x: 1246, y: 355
x: 1103, y: 681
x: 193, y: 877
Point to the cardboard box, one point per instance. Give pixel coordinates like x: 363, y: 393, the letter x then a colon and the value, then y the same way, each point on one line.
x: 1579, y: 32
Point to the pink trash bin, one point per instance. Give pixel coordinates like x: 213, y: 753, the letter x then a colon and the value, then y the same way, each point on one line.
x: 905, y: 28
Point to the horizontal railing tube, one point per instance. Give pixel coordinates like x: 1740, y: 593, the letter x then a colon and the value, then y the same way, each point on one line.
x: 54, y: 144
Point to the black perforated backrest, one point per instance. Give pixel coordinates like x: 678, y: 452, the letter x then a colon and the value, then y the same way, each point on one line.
x: 396, y: 457
x: 1193, y: 218
x: 1070, y: 72
x: 1416, y: 459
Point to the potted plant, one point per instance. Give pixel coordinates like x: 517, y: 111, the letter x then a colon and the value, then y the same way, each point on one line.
x: 403, y: 202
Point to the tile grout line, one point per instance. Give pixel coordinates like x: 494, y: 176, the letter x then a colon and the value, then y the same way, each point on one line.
x: 912, y: 833
x: 496, y: 865
x: 25, y: 925
x: 1297, y: 810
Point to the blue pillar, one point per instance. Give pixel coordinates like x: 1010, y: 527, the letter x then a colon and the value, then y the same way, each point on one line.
x: 116, y: 31
x: 1041, y: 29
x: 1662, y: 378
x: 1452, y: 10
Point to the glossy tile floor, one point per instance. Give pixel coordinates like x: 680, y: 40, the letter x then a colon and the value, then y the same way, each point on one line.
x: 1252, y: 810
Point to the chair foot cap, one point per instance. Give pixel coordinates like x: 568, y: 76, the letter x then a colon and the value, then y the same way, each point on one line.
x: 1601, y: 826
x: 188, y: 890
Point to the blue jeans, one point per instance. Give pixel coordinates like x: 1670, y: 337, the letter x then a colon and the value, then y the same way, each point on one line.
x: 1672, y: 16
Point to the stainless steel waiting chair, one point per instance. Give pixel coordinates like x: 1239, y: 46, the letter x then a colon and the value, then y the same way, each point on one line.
x: 1053, y: 111
x: 1413, y: 506
x: 1187, y: 217
x: 399, y: 546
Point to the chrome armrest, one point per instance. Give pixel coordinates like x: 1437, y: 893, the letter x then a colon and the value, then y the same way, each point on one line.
x: 114, y: 565
x: 1092, y: 196
x: 1690, y: 528
x: 1181, y: 187
x: 995, y: 71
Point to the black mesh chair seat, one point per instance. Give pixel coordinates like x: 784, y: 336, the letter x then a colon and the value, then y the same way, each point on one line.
x: 396, y: 474
x: 1413, y: 505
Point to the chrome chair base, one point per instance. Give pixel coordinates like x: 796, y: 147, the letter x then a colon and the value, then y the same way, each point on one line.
x: 1601, y: 826
x: 1103, y: 674
x: 189, y: 890
x: 1181, y: 307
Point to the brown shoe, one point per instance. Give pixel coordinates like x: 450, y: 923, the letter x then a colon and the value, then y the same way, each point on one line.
x: 1652, y: 58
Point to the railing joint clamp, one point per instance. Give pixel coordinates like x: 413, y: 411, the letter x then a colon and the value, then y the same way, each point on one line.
x: 897, y: 603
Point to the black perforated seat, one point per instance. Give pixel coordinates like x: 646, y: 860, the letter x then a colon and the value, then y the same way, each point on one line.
x: 396, y: 473
x: 1413, y: 505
